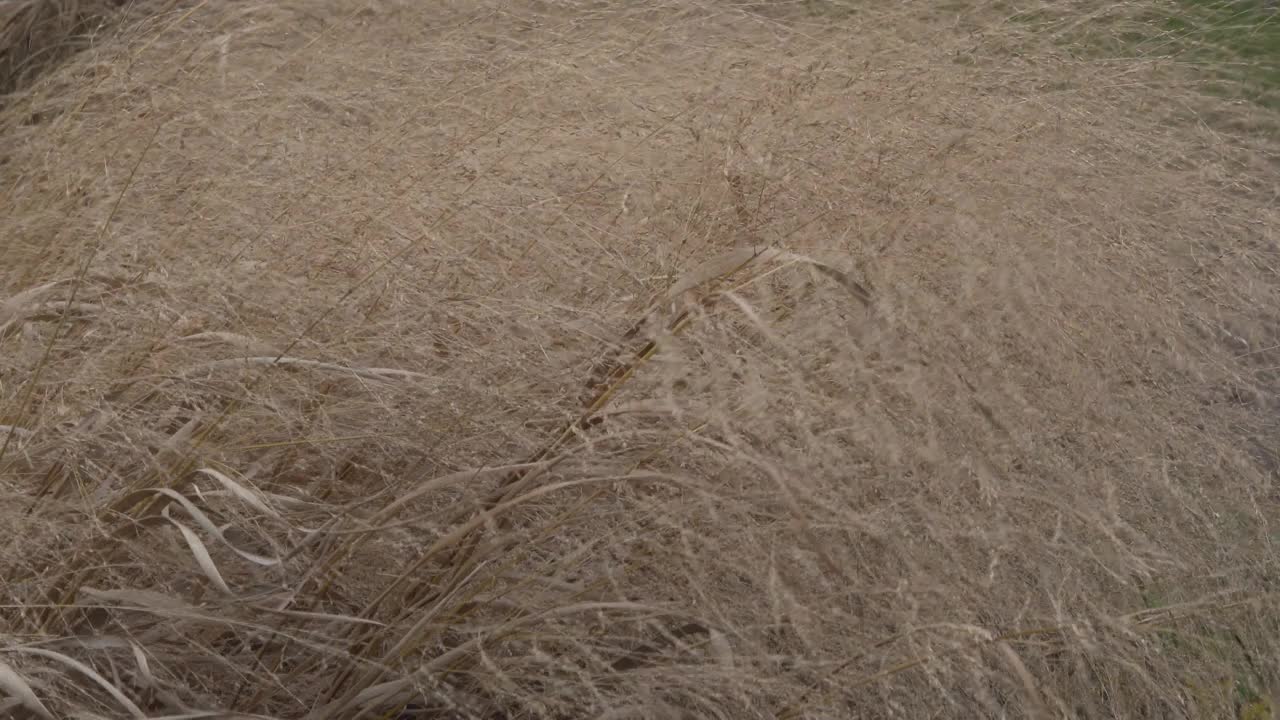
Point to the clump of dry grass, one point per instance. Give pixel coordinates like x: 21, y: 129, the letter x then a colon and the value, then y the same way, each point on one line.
x: 631, y: 360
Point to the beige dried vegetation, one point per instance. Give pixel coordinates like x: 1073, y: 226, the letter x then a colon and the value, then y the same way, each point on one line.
x: 682, y: 359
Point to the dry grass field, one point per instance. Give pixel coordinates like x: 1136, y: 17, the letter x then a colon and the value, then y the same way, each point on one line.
x: 671, y: 359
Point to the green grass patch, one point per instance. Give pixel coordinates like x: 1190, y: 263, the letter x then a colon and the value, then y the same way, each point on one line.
x: 1234, y: 44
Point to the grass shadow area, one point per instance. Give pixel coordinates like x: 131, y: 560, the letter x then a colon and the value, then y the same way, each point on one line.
x: 38, y: 35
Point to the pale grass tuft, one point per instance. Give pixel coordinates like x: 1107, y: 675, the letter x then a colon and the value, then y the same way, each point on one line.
x: 88, y: 672
x: 19, y: 690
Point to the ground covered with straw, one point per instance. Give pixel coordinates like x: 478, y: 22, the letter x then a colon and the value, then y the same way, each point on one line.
x: 678, y: 359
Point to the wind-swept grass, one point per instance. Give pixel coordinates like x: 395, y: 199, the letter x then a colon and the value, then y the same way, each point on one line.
x: 494, y: 360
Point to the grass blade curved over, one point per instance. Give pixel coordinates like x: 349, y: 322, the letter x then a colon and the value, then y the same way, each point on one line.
x: 201, y: 554
x: 16, y: 687
x: 83, y: 669
x: 208, y: 526
x: 248, y: 495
